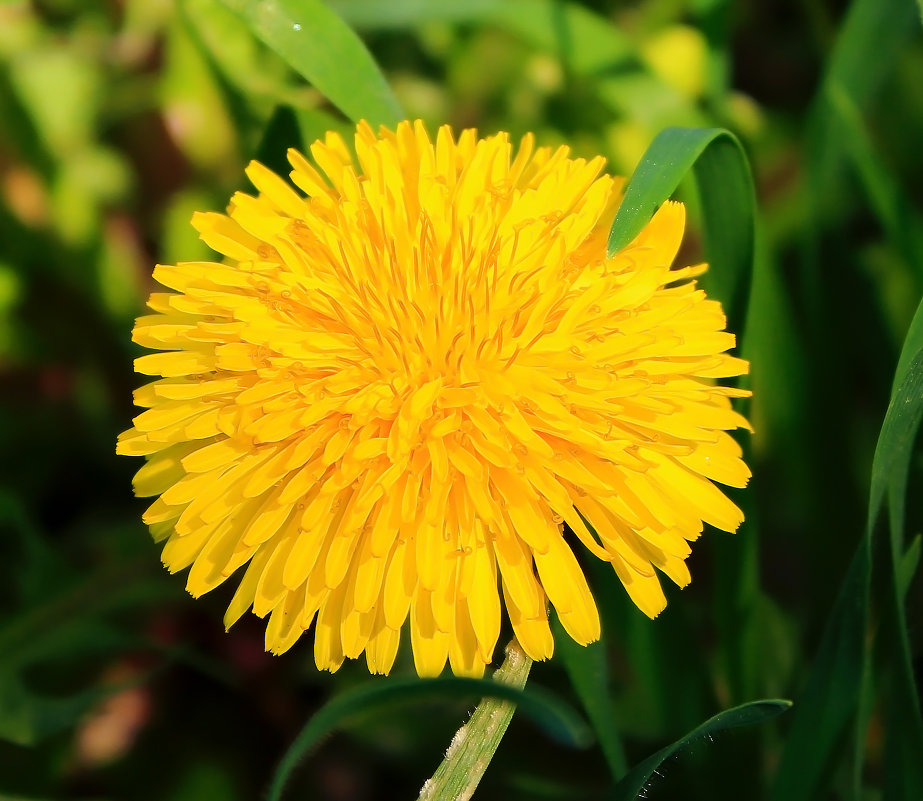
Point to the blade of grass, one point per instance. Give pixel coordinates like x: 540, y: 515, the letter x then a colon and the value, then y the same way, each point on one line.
x: 629, y: 788
x: 890, y: 471
x: 904, y: 735
x: 727, y: 203
x: 904, y: 740
x: 727, y: 199
x: 866, y: 49
x: 892, y: 454
x: 556, y: 718
x: 241, y: 60
x: 315, y: 42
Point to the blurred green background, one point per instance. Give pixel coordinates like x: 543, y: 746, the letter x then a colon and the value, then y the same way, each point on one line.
x: 120, y: 118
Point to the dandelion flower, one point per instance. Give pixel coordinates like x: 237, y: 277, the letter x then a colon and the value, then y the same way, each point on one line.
x: 397, y: 388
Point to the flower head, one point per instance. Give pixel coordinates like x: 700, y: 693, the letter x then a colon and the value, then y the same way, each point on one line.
x: 397, y: 388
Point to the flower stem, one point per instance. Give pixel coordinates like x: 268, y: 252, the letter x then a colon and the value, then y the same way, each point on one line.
x: 474, y: 744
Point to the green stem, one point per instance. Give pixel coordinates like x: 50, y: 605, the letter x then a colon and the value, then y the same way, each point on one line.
x: 474, y: 744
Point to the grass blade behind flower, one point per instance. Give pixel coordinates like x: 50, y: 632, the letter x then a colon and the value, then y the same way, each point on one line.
x: 321, y: 47
x: 728, y: 207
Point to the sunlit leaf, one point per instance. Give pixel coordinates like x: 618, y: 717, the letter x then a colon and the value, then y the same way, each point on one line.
x: 322, y: 48
x: 728, y: 207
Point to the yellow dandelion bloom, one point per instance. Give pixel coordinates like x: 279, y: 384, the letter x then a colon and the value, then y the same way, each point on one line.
x: 397, y: 388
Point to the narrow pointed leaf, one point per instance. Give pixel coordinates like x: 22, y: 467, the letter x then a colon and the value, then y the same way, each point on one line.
x: 728, y: 208
x: 749, y: 714
x: 316, y: 43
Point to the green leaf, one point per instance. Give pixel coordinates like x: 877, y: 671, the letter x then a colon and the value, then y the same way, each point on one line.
x: 839, y: 687
x: 748, y: 714
x: 315, y: 42
x: 241, y: 59
x: 904, y: 735
x: 898, y: 432
x: 728, y: 206
x: 913, y: 345
x: 556, y: 718
x: 589, y: 674
x: 586, y: 42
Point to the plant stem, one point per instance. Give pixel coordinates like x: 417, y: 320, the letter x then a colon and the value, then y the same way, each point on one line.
x: 475, y: 743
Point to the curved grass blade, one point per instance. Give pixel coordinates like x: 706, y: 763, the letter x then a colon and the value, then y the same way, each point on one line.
x: 749, y: 714
x: 555, y: 717
x: 315, y: 42
x: 898, y: 431
x: 248, y: 72
x: 728, y: 207
x: 904, y: 738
